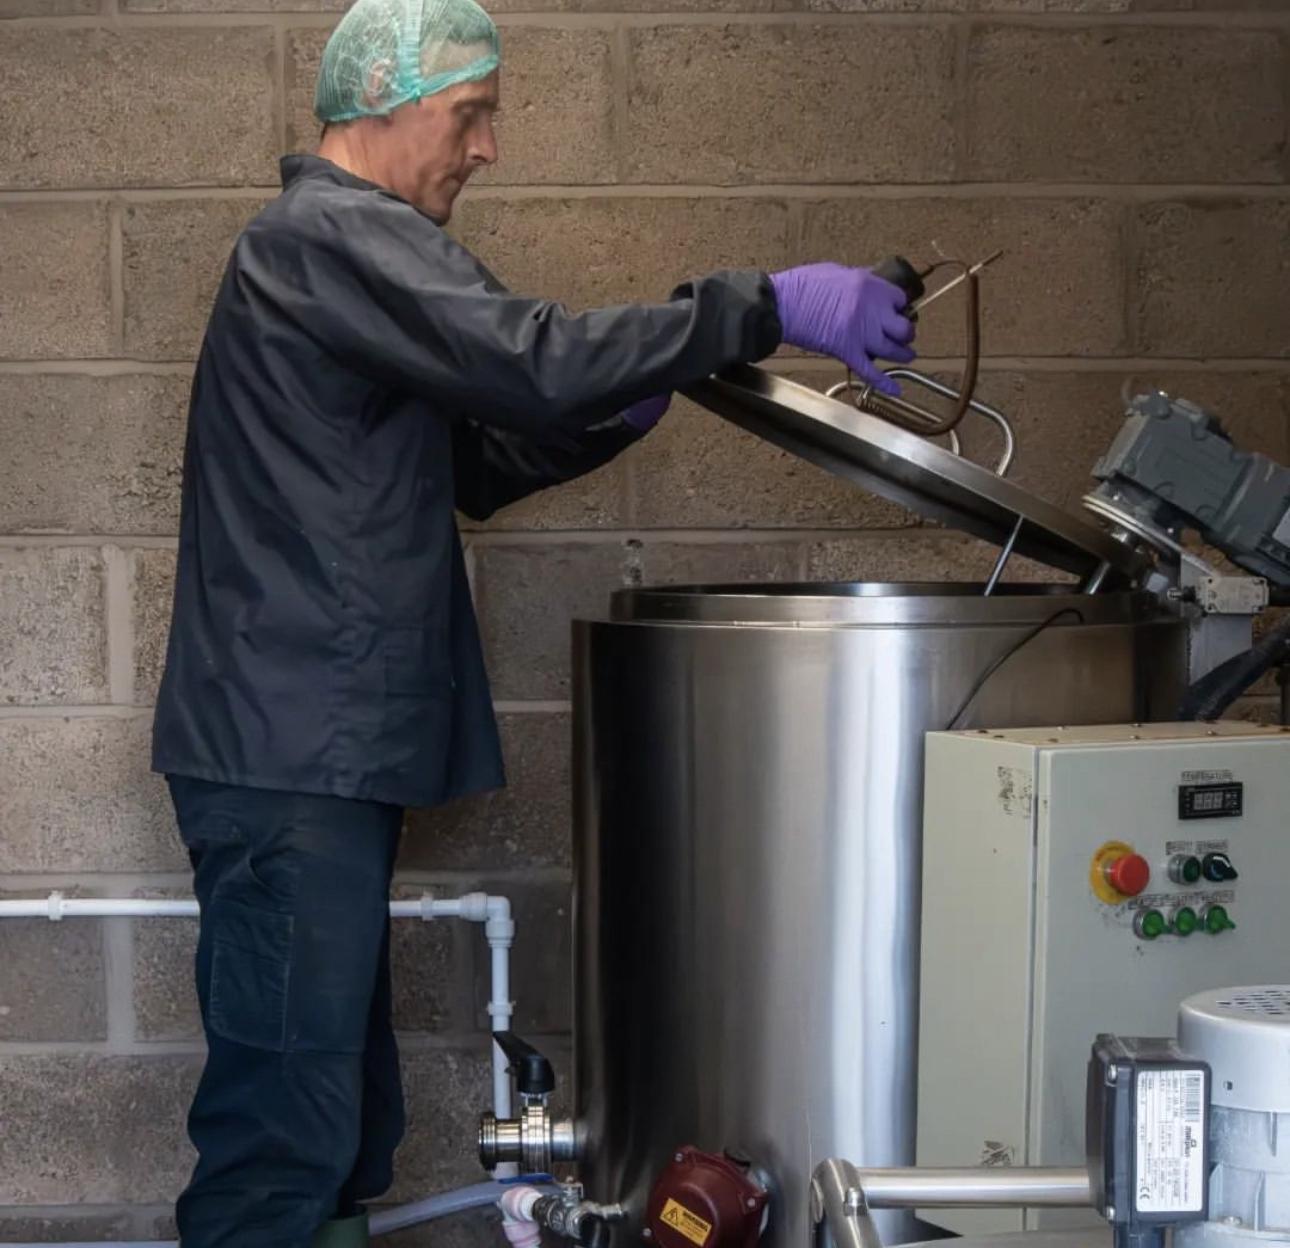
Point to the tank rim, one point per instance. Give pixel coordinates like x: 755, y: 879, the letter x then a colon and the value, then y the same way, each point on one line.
x: 882, y: 602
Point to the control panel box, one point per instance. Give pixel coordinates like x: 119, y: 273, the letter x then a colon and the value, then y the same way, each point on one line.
x: 1080, y: 881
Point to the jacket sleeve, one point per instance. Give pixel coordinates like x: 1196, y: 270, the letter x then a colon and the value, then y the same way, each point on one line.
x: 493, y: 468
x: 379, y: 286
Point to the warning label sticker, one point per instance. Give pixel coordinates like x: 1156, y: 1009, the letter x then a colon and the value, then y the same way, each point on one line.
x: 693, y: 1227
x: 1170, y: 1145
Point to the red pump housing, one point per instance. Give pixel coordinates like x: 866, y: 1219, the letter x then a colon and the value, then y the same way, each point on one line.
x: 703, y: 1200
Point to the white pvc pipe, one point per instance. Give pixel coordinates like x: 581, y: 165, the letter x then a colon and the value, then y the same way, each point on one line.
x: 493, y: 912
x: 499, y: 928
x: 57, y: 907
x: 474, y: 907
x: 499, y: 1011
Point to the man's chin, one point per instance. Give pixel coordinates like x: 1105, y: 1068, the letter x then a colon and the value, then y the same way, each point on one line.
x: 439, y: 210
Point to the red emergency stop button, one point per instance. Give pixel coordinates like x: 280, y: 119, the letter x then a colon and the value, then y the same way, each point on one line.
x: 1128, y: 875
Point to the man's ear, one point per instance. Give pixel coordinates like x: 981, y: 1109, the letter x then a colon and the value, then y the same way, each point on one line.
x: 379, y: 79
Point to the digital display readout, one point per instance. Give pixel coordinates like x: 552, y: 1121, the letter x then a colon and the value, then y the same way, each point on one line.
x: 1210, y: 801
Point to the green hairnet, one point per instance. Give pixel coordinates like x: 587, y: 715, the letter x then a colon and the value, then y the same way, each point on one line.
x: 384, y: 53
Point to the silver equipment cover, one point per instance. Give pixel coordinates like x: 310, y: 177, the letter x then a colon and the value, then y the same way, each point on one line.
x: 915, y: 473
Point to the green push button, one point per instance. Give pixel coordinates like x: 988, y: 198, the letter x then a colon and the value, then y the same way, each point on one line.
x: 1217, y: 920
x: 1149, y: 924
x: 1184, y: 869
x: 1185, y: 921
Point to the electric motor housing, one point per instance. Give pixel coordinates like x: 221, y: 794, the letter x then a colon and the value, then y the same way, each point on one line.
x: 1243, y: 1034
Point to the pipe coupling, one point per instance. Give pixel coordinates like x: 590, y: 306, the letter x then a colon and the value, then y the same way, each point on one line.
x: 583, y: 1221
x: 534, y: 1141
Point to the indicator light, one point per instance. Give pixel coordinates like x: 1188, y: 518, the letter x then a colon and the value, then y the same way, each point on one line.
x: 1184, y: 921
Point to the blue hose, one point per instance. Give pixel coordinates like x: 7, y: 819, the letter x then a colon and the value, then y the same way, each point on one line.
x: 443, y: 1205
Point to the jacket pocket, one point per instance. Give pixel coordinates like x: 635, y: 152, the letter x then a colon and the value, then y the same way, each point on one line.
x: 418, y: 662
x: 250, y: 974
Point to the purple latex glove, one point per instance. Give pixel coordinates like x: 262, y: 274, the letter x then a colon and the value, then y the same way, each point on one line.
x: 643, y: 416
x: 847, y: 313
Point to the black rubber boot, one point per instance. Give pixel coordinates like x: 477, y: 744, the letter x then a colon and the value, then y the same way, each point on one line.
x: 343, y: 1232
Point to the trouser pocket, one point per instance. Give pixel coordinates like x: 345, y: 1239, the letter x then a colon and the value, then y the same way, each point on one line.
x: 294, y: 890
x: 250, y: 973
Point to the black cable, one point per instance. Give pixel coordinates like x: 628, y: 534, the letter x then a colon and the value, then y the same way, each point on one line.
x: 996, y: 664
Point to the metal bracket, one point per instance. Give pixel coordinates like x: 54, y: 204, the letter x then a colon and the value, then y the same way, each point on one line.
x: 1231, y: 595
x: 1220, y: 612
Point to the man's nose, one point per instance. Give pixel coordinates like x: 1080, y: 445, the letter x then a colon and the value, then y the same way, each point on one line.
x: 484, y: 148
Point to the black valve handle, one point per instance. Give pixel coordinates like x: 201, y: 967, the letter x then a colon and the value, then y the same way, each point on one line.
x: 594, y: 1232
x: 899, y: 272
x: 534, y: 1075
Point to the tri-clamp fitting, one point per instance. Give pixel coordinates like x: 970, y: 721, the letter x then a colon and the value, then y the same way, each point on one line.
x: 535, y: 1140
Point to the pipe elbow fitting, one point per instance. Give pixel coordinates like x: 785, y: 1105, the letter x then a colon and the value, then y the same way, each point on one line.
x: 518, y: 1202
x: 499, y: 925
x: 522, y: 1234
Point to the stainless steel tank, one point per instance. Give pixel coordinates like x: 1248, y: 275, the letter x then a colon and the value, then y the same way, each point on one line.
x: 748, y: 791
x: 747, y: 811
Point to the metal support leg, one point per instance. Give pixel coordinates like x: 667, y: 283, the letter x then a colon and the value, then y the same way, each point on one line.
x: 1004, y: 555
x: 1094, y: 582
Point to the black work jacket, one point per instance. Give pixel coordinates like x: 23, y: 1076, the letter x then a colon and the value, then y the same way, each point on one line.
x: 362, y: 375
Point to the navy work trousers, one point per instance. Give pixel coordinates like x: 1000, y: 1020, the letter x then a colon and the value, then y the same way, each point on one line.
x: 300, y: 1106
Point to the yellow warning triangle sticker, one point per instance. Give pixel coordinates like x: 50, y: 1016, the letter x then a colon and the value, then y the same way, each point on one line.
x: 679, y: 1218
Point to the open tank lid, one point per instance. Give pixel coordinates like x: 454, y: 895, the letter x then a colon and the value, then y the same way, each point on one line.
x: 913, y: 472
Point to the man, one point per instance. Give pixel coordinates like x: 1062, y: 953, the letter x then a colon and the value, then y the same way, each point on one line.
x: 362, y: 375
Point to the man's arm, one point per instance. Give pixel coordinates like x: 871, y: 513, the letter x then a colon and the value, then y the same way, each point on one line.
x: 493, y: 468
x: 380, y: 287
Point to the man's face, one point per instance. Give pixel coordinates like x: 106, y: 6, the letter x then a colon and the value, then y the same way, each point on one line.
x: 433, y: 146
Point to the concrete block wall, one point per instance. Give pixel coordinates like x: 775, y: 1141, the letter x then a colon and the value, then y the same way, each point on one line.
x: 1131, y: 157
